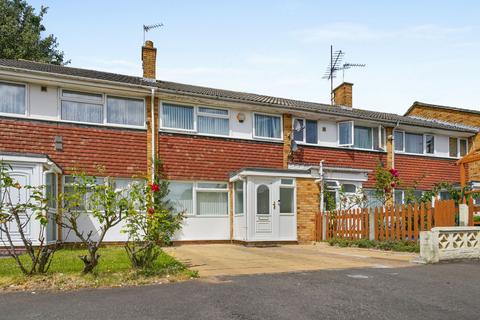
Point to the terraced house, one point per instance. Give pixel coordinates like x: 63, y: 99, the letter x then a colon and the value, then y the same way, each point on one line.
x: 236, y: 165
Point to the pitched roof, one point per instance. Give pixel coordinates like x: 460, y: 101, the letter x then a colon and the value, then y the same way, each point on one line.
x: 234, y: 96
x: 430, y: 105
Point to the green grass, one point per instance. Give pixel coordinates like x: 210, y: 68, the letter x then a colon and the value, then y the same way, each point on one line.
x: 114, y: 269
x: 402, y: 246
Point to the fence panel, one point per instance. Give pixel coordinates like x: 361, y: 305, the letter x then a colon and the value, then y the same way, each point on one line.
x: 392, y: 223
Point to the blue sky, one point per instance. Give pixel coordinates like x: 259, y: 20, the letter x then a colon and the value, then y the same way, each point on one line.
x: 414, y: 50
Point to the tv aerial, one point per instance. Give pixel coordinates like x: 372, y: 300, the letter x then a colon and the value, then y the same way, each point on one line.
x: 337, y: 64
x: 147, y: 28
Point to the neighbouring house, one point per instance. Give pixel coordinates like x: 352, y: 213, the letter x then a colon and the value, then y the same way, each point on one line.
x: 456, y: 115
x: 236, y: 166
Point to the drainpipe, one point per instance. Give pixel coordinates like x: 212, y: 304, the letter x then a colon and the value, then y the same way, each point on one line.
x: 320, y: 182
x: 393, y: 144
x: 152, y: 124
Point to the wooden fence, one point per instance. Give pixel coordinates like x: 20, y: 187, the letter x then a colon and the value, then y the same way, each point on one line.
x: 393, y: 223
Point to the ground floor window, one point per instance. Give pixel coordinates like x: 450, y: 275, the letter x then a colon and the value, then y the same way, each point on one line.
x: 238, y: 197
x: 199, y: 198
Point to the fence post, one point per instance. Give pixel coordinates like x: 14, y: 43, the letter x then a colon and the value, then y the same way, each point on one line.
x: 463, y: 215
x: 324, y: 226
x: 371, y: 224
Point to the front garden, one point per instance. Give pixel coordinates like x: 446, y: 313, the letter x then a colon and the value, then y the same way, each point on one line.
x: 114, y: 270
x: 141, y: 210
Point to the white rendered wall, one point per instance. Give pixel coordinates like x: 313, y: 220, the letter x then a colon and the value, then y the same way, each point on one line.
x: 43, y: 104
x: 204, y: 228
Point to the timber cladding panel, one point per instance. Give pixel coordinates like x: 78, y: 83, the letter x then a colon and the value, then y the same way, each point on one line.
x: 308, y: 205
x: 190, y: 157
x: 120, y: 151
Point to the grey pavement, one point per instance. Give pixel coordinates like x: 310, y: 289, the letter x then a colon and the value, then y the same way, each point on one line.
x: 443, y: 291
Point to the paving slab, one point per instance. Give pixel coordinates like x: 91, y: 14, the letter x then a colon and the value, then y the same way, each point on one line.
x: 212, y: 260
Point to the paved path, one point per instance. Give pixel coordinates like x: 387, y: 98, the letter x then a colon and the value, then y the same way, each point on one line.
x: 445, y: 291
x: 224, y: 259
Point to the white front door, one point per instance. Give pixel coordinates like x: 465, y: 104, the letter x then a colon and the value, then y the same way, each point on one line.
x: 274, y: 209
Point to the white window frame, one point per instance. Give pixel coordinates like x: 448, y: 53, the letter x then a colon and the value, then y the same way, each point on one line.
x: 304, y: 141
x: 195, y: 189
x: 104, y: 108
x: 352, y: 125
x: 403, y: 141
x: 244, y: 186
x: 125, y: 125
x: 27, y: 100
x: 371, y: 137
x: 424, y: 149
x: 269, y: 115
x: 293, y: 186
x: 160, y: 116
x: 381, y: 139
x: 219, y: 116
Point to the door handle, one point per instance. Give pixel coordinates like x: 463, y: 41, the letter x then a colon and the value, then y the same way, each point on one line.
x: 274, y: 205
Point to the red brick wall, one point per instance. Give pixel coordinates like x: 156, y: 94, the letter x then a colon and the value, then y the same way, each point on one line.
x: 192, y: 157
x: 426, y: 170
x: 122, y: 152
x: 341, y: 158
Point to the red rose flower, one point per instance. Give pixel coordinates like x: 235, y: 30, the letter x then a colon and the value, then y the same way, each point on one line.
x: 154, y: 187
x: 151, y: 210
x: 394, y: 172
x: 393, y: 184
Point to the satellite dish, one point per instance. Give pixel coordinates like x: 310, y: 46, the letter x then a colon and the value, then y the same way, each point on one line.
x: 293, y: 146
x: 297, y: 126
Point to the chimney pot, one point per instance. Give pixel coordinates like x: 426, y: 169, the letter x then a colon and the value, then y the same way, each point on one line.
x: 342, y: 94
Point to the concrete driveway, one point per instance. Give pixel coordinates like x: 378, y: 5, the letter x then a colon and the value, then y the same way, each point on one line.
x: 212, y: 260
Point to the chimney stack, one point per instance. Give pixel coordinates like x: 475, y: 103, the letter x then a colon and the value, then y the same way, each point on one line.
x: 342, y: 94
x: 149, y: 59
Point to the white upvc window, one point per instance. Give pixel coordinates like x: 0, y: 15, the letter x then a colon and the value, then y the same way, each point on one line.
x: 267, y: 126
x: 345, y: 133
x: 287, y: 196
x: 458, y: 147
x: 239, y: 197
x: 177, y: 117
x: 414, y: 143
x: 125, y: 111
x: 98, y: 108
x: 308, y: 133
x: 361, y: 137
x: 213, y: 121
x: 13, y: 98
x: 82, y: 106
x: 199, y: 198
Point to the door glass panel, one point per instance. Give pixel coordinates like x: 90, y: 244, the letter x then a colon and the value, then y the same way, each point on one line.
x: 263, y: 199
x: 286, y: 200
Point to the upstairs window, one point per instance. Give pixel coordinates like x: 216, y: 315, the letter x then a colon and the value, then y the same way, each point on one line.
x: 12, y: 98
x: 125, y: 111
x: 363, y: 137
x: 308, y: 133
x: 414, y: 143
x: 398, y: 138
x: 213, y: 121
x: 177, y: 117
x: 345, y: 133
x: 81, y: 106
x: 267, y: 126
x: 458, y: 147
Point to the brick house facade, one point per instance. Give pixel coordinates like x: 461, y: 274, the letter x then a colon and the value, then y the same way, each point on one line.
x: 244, y: 167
